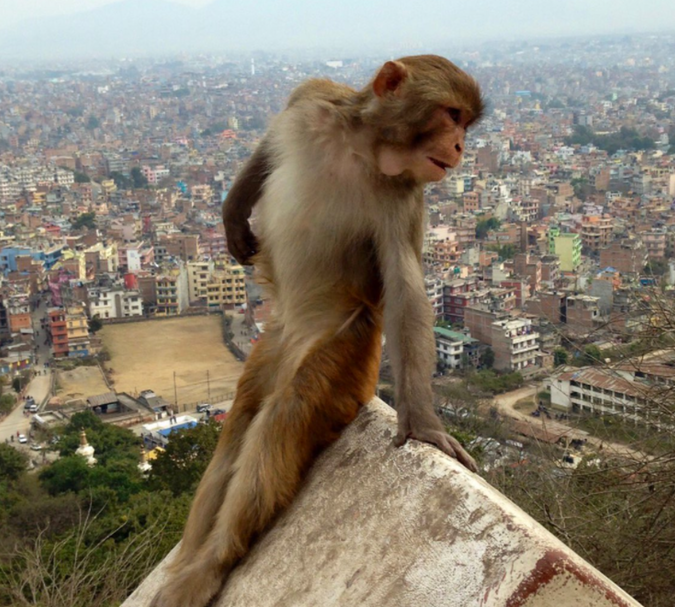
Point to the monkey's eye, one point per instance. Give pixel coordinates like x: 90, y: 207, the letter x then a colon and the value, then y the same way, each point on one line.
x: 455, y: 114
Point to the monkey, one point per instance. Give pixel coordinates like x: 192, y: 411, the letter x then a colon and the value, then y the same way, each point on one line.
x: 337, y: 182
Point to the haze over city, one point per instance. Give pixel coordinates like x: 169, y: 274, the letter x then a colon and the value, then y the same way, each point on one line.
x: 105, y: 28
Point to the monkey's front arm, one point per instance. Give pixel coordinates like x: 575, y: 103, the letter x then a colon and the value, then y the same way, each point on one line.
x: 408, y: 324
x: 238, y: 206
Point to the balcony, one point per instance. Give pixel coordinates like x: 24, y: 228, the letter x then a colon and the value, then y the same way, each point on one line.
x: 375, y: 526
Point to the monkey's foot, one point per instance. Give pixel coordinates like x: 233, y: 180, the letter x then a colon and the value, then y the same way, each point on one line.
x: 190, y: 587
x: 446, y: 443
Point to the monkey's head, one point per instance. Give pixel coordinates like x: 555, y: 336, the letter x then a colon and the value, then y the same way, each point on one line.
x: 418, y: 110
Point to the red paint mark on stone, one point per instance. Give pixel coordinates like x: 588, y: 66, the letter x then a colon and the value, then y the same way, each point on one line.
x: 552, y: 564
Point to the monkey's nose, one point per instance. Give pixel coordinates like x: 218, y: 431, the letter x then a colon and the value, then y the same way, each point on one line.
x: 458, y: 147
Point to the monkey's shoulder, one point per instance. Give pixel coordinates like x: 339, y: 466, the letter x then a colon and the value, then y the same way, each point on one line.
x: 320, y: 90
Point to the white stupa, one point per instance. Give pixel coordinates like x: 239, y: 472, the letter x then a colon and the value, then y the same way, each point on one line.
x: 86, y: 450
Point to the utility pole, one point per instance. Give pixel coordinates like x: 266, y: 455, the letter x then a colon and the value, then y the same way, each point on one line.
x: 208, y: 386
x: 175, y: 390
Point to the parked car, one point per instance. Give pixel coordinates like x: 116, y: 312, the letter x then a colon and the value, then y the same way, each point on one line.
x: 22, y: 439
x: 203, y: 408
x: 33, y: 408
x: 36, y: 447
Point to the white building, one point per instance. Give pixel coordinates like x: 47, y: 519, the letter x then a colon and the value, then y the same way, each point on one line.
x: 114, y: 302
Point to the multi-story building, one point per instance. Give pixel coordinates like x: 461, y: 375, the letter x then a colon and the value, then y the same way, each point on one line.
x: 515, y: 343
x: 177, y: 246
x: 596, y: 232
x: 567, y: 246
x: 582, y: 312
x: 601, y: 391
x: 58, y: 332
x: 18, y: 314
x: 199, y: 276
x: 528, y: 267
x: 434, y: 289
x: 452, y: 346
x: 172, y: 291
x: 458, y: 295
x: 102, y: 258
x: 77, y: 329
x: 114, y: 302
x: 628, y: 256
x: 227, y: 287
x: 655, y: 242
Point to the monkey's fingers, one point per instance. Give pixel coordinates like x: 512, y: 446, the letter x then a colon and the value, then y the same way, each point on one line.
x: 446, y: 443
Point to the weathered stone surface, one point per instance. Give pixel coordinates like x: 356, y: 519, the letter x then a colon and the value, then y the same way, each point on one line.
x: 379, y: 526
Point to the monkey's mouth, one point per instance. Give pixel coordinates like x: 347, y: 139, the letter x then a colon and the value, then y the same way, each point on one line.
x: 440, y: 164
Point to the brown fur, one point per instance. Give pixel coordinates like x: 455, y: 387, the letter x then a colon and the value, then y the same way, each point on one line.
x: 338, y: 181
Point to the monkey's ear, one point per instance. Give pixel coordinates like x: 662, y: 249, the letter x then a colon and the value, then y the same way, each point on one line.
x: 389, y: 78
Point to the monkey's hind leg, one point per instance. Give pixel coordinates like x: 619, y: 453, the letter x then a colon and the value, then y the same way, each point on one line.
x: 296, y: 421
x: 253, y: 386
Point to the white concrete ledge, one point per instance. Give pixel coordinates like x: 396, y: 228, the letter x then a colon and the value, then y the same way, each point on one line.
x: 377, y: 526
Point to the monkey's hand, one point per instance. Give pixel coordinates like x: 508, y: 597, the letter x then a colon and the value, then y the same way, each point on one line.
x: 241, y: 241
x: 425, y: 426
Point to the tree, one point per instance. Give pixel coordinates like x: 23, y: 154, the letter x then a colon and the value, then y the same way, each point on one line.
x: 122, y: 182
x: 560, y: 357
x: 656, y: 267
x: 85, y: 220
x: 487, y: 359
x: 139, y: 180
x: 505, y: 251
x: 185, y: 458
x: 66, y: 475
x: 92, y: 123
x: 95, y: 324
x: 592, y: 355
x: 485, y: 225
x: 12, y: 462
x: 81, y: 177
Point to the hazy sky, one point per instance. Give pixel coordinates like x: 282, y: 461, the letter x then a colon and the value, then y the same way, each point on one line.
x: 139, y: 27
x: 12, y: 11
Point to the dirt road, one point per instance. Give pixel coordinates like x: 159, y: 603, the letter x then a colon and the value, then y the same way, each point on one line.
x: 505, y: 405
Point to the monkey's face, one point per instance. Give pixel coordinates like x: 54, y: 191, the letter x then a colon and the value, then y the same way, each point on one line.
x: 421, y: 109
x: 438, y: 147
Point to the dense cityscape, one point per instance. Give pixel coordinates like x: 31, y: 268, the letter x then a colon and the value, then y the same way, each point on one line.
x: 549, y: 262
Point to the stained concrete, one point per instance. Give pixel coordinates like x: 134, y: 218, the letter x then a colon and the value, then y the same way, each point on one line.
x: 380, y: 526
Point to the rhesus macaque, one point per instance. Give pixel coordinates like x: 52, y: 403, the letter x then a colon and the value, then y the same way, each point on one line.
x: 338, y: 182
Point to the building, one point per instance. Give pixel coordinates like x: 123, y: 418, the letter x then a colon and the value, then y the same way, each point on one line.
x: 114, y: 302
x: 199, y: 276
x: 172, y: 291
x: 596, y: 232
x: 58, y: 332
x: 434, y: 290
x: 454, y: 349
x: 567, y: 246
x: 655, y: 242
x: 600, y: 391
x: 18, y: 314
x: 628, y: 256
x: 515, y: 343
x: 582, y: 312
x: 227, y: 287
x: 77, y: 330
x: 458, y: 294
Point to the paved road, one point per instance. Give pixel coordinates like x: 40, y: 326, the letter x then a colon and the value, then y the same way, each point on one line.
x: 505, y: 403
x: 38, y: 387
